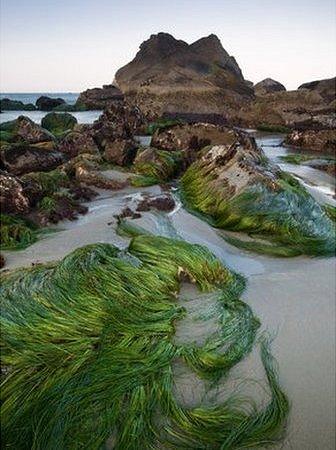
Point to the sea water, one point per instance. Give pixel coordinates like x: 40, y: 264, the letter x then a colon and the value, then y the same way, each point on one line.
x: 36, y: 116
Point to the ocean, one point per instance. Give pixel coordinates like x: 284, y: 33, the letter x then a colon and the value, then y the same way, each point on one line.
x: 36, y: 116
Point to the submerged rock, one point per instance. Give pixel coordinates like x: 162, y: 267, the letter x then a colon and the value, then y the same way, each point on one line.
x: 235, y: 187
x: 58, y: 123
x: 268, y: 86
x: 23, y: 158
x: 100, y: 98
x: 45, y: 103
x: 321, y: 141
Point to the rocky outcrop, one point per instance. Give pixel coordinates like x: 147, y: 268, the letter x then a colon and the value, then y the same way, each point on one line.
x: 79, y: 141
x: 58, y: 123
x: 238, y: 190
x: 268, y: 86
x: 114, y: 131
x: 192, y: 136
x: 13, y: 199
x: 323, y: 141
x: 24, y: 129
x: 7, y: 104
x: 45, y: 103
x: 325, y: 88
x: 168, y: 75
x: 302, y: 109
x: 23, y: 158
x: 120, y: 151
x: 161, y: 203
x: 100, y: 98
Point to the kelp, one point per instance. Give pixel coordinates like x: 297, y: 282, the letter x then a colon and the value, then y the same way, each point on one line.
x: 281, y: 221
x: 88, y: 351
x: 16, y: 233
x: 163, y: 168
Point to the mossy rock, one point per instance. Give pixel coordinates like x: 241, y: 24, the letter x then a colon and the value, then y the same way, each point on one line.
x: 58, y: 123
x: 16, y: 233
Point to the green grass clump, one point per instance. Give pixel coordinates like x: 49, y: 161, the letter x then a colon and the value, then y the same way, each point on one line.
x: 286, y: 221
x: 273, y: 128
x: 88, y: 349
x: 49, y: 182
x: 299, y: 159
x: 162, y: 124
x: 164, y: 166
x: 16, y: 233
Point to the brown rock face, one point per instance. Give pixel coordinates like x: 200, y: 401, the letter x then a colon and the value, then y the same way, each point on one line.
x: 268, y: 86
x: 76, y: 143
x: 26, y: 130
x: 100, y: 98
x: 168, y: 75
x: 121, y: 151
x: 302, y: 109
x: 12, y: 196
x: 326, y: 88
x: 192, y: 136
x: 322, y: 140
x: 23, y: 158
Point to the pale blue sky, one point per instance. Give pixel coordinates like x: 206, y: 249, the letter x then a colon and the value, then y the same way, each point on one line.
x: 70, y: 45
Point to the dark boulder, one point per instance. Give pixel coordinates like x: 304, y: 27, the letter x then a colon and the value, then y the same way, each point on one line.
x: 120, y: 151
x: 78, y: 142
x: 22, y: 158
x: 45, y: 103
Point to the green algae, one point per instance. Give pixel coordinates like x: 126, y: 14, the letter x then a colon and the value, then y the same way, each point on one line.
x: 16, y: 233
x: 286, y: 221
x: 299, y: 159
x: 88, y: 351
x: 162, y: 124
x: 164, y: 167
x: 58, y: 123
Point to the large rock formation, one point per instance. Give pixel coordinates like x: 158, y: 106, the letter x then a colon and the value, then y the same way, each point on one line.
x: 6, y: 104
x: 268, y: 86
x: 168, y: 75
x: 326, y: 88
x: 100, y: 98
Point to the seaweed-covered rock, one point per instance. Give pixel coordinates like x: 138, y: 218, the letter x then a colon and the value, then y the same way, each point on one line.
x: 158, y: 165
x: 319, y: 140
x: 23, y: 158
x: 13, y: 199
x: 238, y: 190
x: 268, y: 86
x: 120, y: 151
x: 45, y: 103
x: 7, y: 104
x: 191, y: 136
x: 58, y: 123
x: 24, y: 129
x: 77, y: 142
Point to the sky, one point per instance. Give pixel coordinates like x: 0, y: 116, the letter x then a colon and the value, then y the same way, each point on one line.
x: 71, y: 45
